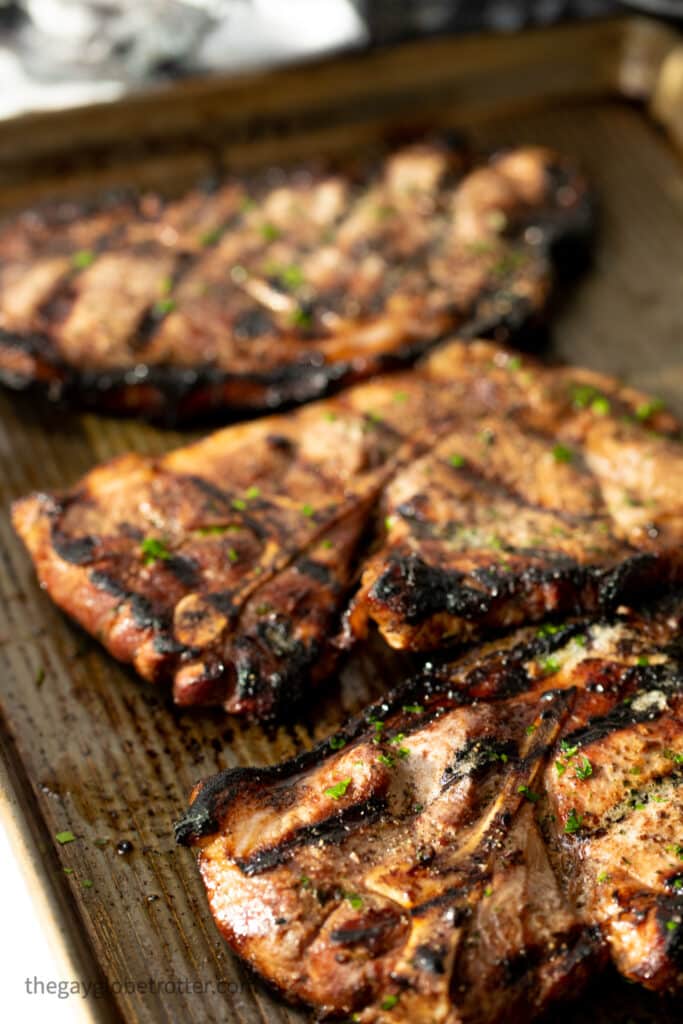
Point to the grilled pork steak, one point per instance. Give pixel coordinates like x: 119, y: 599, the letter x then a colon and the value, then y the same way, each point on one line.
x: 474, y: 847
x: 268, y: 291
x: 498, y: 492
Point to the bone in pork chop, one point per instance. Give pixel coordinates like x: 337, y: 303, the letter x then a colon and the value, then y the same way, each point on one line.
x: 267, y: 291
x: 477, y: 845
x: 510, y: 492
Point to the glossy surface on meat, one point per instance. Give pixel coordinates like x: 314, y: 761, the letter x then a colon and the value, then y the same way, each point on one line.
x: 225, y: 566
x: 477, y: 845
x: 268, y: 291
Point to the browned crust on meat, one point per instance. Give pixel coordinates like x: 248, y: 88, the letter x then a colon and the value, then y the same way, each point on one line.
x: 268, y: 291
x: 477, y: 845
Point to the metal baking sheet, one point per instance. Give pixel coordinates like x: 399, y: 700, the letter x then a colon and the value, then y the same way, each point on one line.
x: 91, y: 749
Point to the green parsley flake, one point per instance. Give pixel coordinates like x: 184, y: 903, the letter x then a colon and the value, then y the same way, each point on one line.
x: 488, y: 890
x: 456, y: 460
x: 232, y: 555
x: 600, y: 406
x: 548, y: 630
x: 40, y: 676
x: 239, y: 504
x: 354, y: 899
x: 550, y: 666
x: 307, y: 510
x: 305, y: 882
x: 82, y: 259
x: 326, y: 544
x: 86, y: 883
x: 584, y: 770
x: 603, y: 877
x: 65, y: 837
x: 643, y: 660
x: 672, y: 925
x: 210, y: 237
x: 567, y: 748
x: 269, y: 232
x: 400, y: 396
x: 389, y: 1003
x: 562, y: 454
x: 647, y: 409
x: 531, y: 729
x: 253, y: 492
x: 163, y: 306
x: 301, y: 317
x: 337, y: 742
x: 154, y: 550
x: 573, y: 823
x: 560, y: 767
x: 413, y: 709
x: 526, y: 792
x: 337, y: 791
x: 387, y: 760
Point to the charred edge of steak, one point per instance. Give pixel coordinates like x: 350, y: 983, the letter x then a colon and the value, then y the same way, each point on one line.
x: 168, y: 393
x: 216, y: 793
x: 416, y: 591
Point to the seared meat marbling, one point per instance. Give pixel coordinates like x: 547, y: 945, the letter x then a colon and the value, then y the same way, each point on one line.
x: 477, y: 845
x: 270, y: 290
x: 508, y: 495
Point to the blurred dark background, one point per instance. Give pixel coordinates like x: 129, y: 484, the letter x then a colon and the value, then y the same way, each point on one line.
x: 57, y: 53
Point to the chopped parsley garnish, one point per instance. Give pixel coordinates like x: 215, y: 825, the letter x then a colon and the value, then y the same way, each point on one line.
x: 269, y: 232
x: 65, y: 837
x: 413, y: 709
x: 82, y: 259
x: 560, y: 767
x: 337, y: 742
x: 232, y: 555
x: 354, y: 899
x: 239, y: 504
x: 672, y: 925
x: 253, y: 492
x: 647, y: 409
x: 562, y: 454
x: 567, y: 749
x: 401, y: 396
x: 603, y: 877
x: 456, y: 460
x: 677, y: 884
x: 671, y: 755
x: 326, y: 544
x: 339, y: 789
x: 301, y: 317
x: 584, y: 770
x: 331, y: 416
x: 305, y: 882
x: 307, y: 510
x: 387, y: 760
x: 154, y: 550
x: 548, y: 630
x: 573, y: 823
x: 514, y: 363
x: 68, y: 871
x: 531, y: 729
x: 675, y: 848
x: 163, y: 306
x: 210, y: 237
x: 87, y: 883
x: 526, y: 792
x: 581, y: 640
x: 488, y: 890
x: 550, y: 666
x: 600, y: 406
x: 643, y: 660
x: 389, y: 1003
x: 40, y: 676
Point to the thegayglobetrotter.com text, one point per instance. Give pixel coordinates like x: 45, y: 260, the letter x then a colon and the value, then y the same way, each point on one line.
x: 81, y: 989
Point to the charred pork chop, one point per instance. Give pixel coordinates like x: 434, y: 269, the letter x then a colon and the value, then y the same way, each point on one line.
x: 268, y: 291
x: 474, y: 847
x: 505, y: 491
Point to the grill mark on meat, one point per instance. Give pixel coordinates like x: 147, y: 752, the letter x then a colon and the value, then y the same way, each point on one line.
x: 331, y: 831
x: 303, y: 519
x: 512, y: 909
x: 274, y: 307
